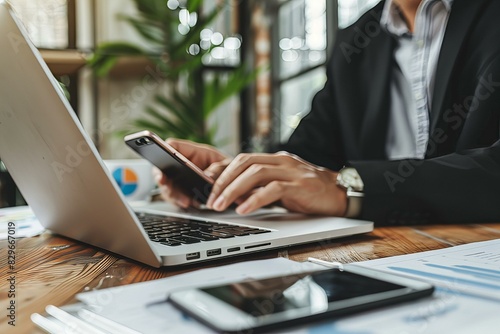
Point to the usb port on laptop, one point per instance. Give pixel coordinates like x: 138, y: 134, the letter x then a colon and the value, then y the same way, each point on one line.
x: 213, y: 252
x: 192, y: 256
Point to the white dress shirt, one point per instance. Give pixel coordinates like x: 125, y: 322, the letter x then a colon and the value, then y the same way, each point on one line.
x: 412, y: 79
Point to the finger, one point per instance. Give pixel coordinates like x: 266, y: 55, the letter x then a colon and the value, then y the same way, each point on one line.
x: 170, y: 193
x: 287, y: 157
x: 271, y: 193
x: 216, y: 169
x: 158, y: 176
x: 254, y: 176
x: 236, y: 168
x: 201, y: 155
x: 165, y: 192
x: 244, y: 197
x: 186, y: 147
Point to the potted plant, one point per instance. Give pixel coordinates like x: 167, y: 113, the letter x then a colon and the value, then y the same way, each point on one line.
x: 176, y: 49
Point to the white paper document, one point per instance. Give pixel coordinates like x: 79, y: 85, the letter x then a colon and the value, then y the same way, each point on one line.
x: 472, y: 269
x: 467, y: 280
x: 466, y: 298
x: 19, y: 222
x: 143, y: 306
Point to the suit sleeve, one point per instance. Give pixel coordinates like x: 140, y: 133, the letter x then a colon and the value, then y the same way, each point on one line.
x: 463, y: 186
x: 317, y: 138
x: 459, y: 182
x: 456, y: 188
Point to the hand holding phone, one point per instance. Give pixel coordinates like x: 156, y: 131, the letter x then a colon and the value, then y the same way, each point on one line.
x: 185, y: 174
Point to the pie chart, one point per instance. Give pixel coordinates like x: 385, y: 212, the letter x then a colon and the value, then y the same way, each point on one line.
x: 127, y: 180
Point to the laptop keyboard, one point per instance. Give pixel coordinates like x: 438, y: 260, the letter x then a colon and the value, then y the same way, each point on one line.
x: 173, y: 231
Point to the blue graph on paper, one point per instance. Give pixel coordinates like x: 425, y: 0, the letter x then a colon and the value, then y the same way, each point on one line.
x: 472, y: 272
x: 476, y: 272
x: 466, y: 298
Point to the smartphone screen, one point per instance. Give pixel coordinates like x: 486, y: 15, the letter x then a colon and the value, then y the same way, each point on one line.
x: 179, y: 169
x: 295, y: 299
x: 282, y: 294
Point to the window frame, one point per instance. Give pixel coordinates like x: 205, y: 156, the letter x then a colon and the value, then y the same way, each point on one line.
x: 276, y: 81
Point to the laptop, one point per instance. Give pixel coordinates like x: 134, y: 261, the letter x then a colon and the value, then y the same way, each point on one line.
x: 62, y: 177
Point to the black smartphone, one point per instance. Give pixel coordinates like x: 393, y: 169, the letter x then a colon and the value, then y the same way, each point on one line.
x: 185, y: 174
x: 257, y: 305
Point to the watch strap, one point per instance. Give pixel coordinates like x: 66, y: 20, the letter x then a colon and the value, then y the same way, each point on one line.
x: 354, y: 202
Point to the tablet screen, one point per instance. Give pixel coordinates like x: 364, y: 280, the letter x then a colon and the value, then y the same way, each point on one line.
x: 314, y: 291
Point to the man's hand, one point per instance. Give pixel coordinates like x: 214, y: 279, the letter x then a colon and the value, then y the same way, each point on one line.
x: 206, y: 157
x: 297, y: 184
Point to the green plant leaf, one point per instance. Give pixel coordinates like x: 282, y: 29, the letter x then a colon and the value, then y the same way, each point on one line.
x: 191, y: 107
x: 184, y: 111
x: 106, y: 56
x: 118, y: 49
x: 194, y: 5
x: 150, y: 32
x: 208, y: 98
x: 154, y: 9
x: 220, y: 91
x: 106, y: 65
x: 211, y: 132
x: 190, y: 66
x: 159, y: 116
x: 149, y: 125
x: 164, y: 130
x: 183, y: 115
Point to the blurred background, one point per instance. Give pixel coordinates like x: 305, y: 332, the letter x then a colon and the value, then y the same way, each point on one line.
x: 238, y: 74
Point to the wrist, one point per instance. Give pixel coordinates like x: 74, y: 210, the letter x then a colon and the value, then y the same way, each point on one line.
x: 342, y: 201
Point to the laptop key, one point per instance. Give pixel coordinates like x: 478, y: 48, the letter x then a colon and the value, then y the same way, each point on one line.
x: 176, y: 231
x: 234, y: 232
x: 217, y: 226
x: 203, y: 237
x: 160, y: 240
x: 260, y: 232
x: 155, y: 233
x: 170, y: 243
x: 221, y: 235
x: 186, y: 240
x: 169, y: 235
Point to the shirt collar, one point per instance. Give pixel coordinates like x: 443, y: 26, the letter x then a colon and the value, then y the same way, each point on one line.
x: 393, y: 22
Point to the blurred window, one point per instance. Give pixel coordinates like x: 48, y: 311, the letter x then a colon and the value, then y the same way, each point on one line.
x: 304, y: 37
x: 45, y: 20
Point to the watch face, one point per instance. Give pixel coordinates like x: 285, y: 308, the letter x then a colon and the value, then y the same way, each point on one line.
x: 351, y: 178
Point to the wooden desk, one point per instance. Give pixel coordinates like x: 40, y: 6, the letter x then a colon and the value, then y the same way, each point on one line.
x: 52, y: 269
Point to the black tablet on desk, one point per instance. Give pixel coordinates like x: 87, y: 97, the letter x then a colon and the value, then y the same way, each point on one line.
x: 266, y: 304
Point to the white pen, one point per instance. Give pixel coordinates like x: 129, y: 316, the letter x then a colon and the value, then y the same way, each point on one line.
x: 328, y: 264
x: 73, y: 323
x: 104, y: 323
x: 46, y: 324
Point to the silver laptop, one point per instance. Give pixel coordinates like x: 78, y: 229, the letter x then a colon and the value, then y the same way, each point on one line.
x: 62, y: 177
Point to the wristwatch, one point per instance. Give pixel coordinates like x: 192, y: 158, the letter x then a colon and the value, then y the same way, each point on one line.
x: 349, y: 179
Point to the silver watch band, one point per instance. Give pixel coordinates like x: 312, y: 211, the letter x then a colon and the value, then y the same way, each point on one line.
x: 354, y: 202
x: 349, y: 179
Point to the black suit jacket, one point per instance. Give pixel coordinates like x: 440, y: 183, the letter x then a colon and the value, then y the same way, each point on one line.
x: 459, y: 179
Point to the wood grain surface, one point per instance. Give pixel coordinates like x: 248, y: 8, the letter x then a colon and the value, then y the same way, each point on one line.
x: 52, y: 269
